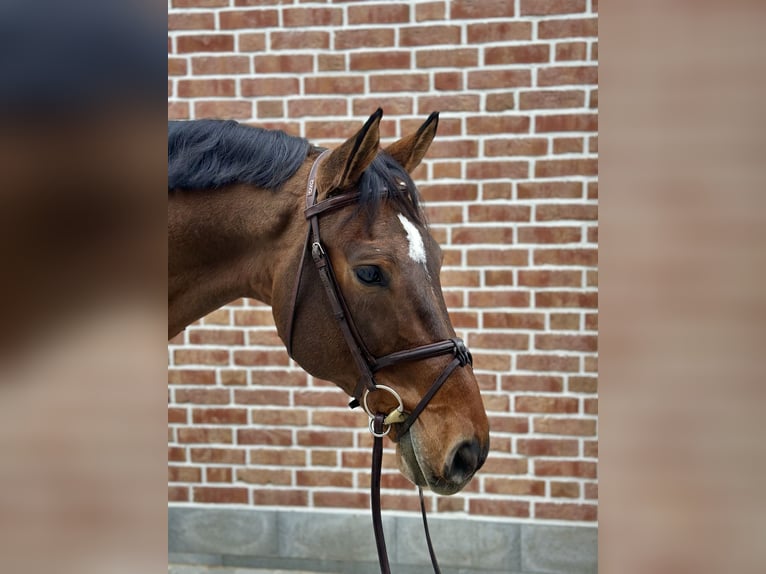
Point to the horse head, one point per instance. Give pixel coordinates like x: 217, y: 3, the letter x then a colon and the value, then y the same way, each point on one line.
x: 386, y: 264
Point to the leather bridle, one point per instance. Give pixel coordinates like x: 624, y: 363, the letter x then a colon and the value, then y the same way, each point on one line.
x: 367, y: 364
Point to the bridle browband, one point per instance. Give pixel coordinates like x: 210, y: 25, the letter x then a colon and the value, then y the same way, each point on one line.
x: 367, y: 364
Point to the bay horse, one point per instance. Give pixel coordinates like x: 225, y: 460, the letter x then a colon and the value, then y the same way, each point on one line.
x: 239, y: 198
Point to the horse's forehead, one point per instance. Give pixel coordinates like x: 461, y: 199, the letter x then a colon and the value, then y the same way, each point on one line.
x: 417, y: 247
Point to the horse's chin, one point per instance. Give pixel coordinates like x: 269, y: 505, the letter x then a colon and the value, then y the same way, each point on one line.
x: 413, y: 468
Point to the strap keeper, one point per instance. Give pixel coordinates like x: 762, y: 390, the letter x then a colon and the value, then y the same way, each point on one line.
x: 354, y: 404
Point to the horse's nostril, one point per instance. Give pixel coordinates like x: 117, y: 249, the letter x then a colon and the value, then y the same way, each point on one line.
x: 466, y: 461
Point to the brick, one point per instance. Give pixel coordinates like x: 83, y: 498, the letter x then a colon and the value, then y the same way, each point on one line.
x: 312, y: 16
x: 516, y: 486
x: 265, y: 86
x: 571, y: 51
x: 451, y: 103
x: 567, y: 28
x: 281, y: 64
x: 204, y: 435
x: 275, y: 497
x: 219, y: 317
x: 431, y: 35
x: 202, y: 396
x: 591, y: 491
x: 219, y: 474
x: 446, y: 214
x: 429, y: 11
x: 590, y: 448
x: 278, y: 457
x: 490, y: 79
x: 582, y: 512
x: 591, y: 319
x: 487, y: 299
x: 551, y: 99
x: 176, y: 454
x: 531, y: 404
x: 482, y: 9
x: 591, y: 364
x: 279, y: 417
x: 279, y: 378
x: 590, y: 406
x: 236, y: 19
x: 253, y: 42
x: 548, y: 278
x: 493, y: 124
x: 568, y: 145
x: 524, y: 54
x: 176, y: 415
x: 378, y: 14
x: 567, y: 299
x: 464, y: 148
x: 325, y: 438
x: 584, y: 257
x: 312, y: 398
x: 178, y: 111
x: 544, y: 363
x: 334, y: 85
x: 255, y: 358
x: 220, y: 494
x: 272, y: 437
x: 498, y: 102
x: 228, y: 416
x: 184, y: 474
x: 268, y: 109
x: 216, y: 337
x: 509, y: 424
x: 218, y: 455
x: 548, y: 447
x: 321, y: 130
x: 497, y: 257
x: 191, y: 376
x: 502, y: 31
x: 586, y: 343
x: 491, y: 362
x: 316, y: 107
x: 205, y: 43
x: 515, y: 508
x: 557, y: 234
x: 301, y: 40
x: 566, y: 75
x: 593, y: 144
x: 448, y: 81
x: 548, y: 7
x: 191, y: 21
x: 516, y: 146
x: 331, y: 62
x: 573, y: 468
x: 265, y: 476
x: 321, y: 478
x: 447, y: 58
x: 399, y: 83
x: 324, y: 458
x: 497, y: 169
x: 364, y: 38
x: 341, y: 499
x: 177, y: 66
x: 514, y: 320
x: 565, y: 321
x: 564, y: 489
x: 199, y: 3
x: 261, y: 397
x: 566, y: 123
x: 178, y: 493
x: 343, y: 419
x: 224, y: 109
x: 539, y: 383
x: 549, y: 190
x: 220, y: 65
x: 449, y: 192
x: 498, y: 341
x: 442, y: 170
x: 482, y: 235
x: 206, y: 88
x: 564, y: 426
x: 385, y: 60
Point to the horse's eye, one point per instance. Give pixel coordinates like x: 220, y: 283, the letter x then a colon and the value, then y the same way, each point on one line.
x: 370, y: 275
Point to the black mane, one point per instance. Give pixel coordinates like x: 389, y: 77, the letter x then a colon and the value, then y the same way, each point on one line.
x: 209, y: 154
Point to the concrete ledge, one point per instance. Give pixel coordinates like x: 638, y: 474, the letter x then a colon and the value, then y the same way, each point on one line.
x: 343, y: 543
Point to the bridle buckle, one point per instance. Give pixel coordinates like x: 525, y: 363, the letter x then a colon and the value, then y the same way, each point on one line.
x: 395, y: 416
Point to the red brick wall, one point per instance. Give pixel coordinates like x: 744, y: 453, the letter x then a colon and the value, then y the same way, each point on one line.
x: 511, y: 190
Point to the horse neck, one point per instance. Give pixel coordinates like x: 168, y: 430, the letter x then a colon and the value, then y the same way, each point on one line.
x: 225, y: 244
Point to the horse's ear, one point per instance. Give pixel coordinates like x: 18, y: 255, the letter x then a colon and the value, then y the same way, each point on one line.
x: 409, y: 151
x: 345, y: 165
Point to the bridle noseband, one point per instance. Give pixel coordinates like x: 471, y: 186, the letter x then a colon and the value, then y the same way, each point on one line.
x: 367, y: 364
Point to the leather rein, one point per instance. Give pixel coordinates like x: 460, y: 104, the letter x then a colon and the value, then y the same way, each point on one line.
x: 380, y: 423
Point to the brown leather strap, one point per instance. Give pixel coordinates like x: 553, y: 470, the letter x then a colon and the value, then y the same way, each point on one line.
x: 377, y: 520
x: 431, y: 552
